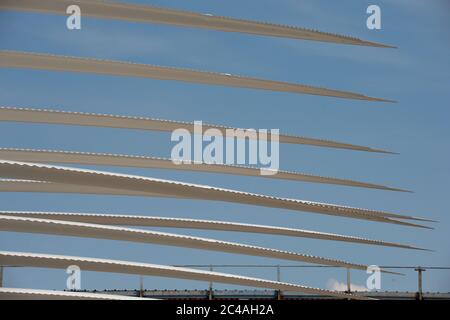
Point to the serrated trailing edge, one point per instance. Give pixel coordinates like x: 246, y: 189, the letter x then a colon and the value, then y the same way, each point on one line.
x: 165, y: 222
x: 127, y: 267
x: 158, y: 15
x: 40, y: 61
x: 19, y: 185
x: 98, y: 231
x: 84, y: 177
x: 106, y: 159
x: 16, y: 185
x: 141, y: 123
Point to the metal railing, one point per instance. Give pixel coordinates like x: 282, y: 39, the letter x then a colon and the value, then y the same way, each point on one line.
x: 278, y: 269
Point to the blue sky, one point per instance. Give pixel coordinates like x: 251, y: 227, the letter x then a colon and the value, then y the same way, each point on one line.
x: 416, y: 74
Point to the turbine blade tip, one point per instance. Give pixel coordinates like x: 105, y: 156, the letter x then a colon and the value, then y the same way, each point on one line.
x: 399, y: 190
x: 383, y: 151
x: 378, y: 45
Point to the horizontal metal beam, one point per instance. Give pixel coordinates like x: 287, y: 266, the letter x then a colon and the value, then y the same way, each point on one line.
x: 40, y: 61
x: 151, y: 14
x: 252, y: 294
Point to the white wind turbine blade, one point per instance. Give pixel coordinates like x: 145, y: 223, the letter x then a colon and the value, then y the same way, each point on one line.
x: 103, y: 159
x: 17, y: 185
x: 14, y: 185
x: 67, y: 175
x: 39, y: 294
x: 147, y: 269
x: 97, y: 231
x: 39, y: 61
x: 151, y: 14
x: 140, y: 123
x: 164, y: 222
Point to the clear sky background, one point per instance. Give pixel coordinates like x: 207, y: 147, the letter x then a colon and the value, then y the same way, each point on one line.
x: 416, y: 74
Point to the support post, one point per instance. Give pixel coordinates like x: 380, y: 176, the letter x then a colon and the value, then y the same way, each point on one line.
x: 278, y: 273
x: 141, y: 286
x: 349, y: 281
x: 1, y: 276
x: 419, y: 295
x: 210, y: 289
x: 279, y: 293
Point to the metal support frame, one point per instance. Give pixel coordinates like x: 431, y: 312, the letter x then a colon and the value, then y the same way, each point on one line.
x: 1, y: 276
x: 419, y: 270
x: 349, y: 282
x: 141, y: 286
x: 210, y: 289
x: 279, y: 292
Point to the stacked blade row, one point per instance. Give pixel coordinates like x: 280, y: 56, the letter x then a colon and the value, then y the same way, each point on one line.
x: 35, y: 170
